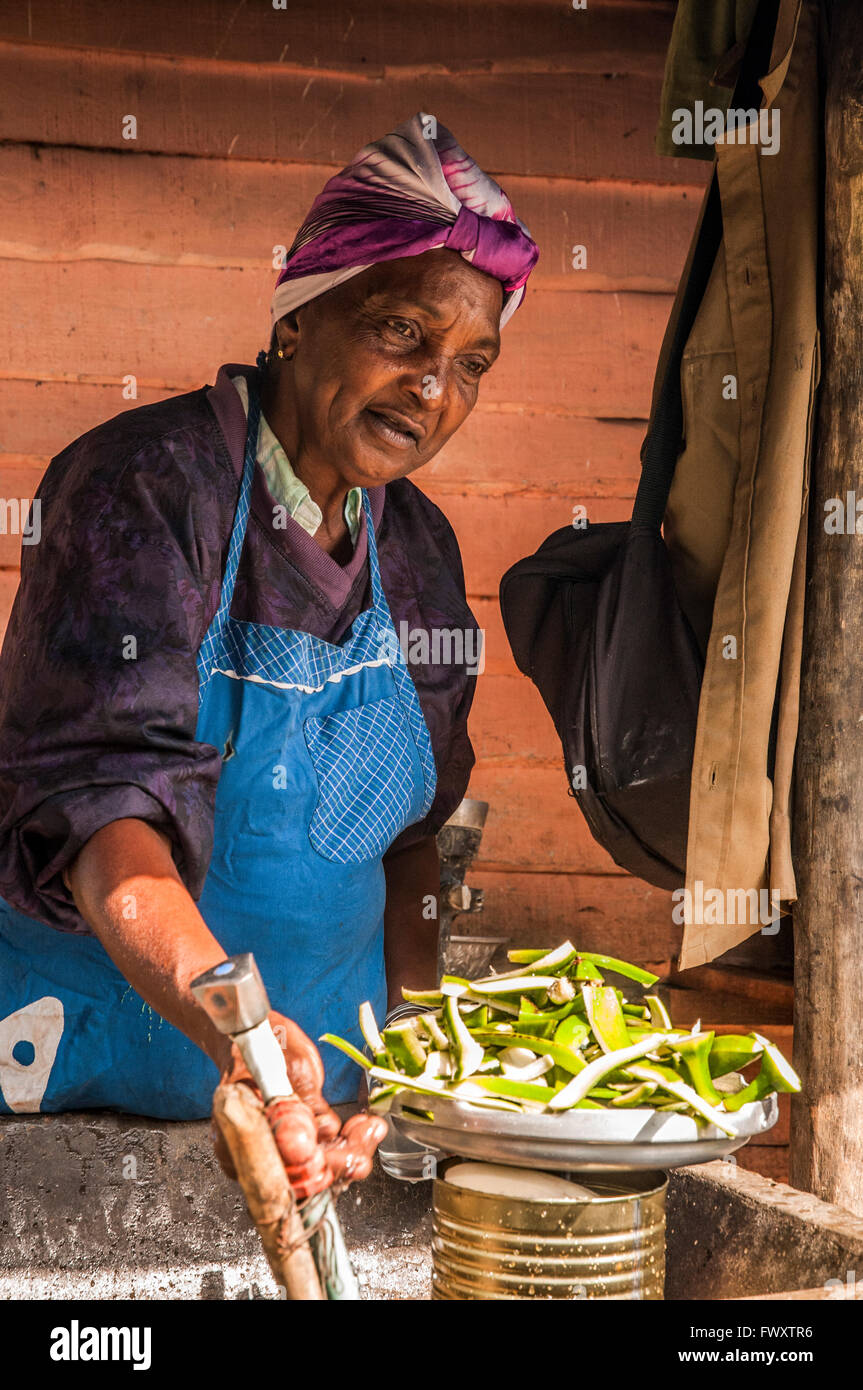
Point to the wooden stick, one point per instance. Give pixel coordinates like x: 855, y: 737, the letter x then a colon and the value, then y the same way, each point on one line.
x: 827, y: 1119
x: 240, y: 1116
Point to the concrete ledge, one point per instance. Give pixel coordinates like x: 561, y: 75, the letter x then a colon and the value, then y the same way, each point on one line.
x: 106, y: 1206
x: 733, y: 1234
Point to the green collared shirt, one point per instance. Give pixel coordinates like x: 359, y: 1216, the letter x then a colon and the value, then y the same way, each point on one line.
x: 284, y: 484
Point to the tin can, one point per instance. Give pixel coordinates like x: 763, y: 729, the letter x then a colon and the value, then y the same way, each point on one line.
x: 610, y: 1246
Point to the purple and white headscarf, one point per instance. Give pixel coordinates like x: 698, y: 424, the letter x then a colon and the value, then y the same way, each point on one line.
x: 413, y: 191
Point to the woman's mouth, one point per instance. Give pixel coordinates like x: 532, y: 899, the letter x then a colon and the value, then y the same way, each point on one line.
x: 392, y: 429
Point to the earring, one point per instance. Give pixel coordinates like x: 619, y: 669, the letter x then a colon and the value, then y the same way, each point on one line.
x: 286, y: 355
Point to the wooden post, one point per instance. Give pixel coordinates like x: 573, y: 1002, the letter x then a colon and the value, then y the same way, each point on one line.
x: 827, y: 1120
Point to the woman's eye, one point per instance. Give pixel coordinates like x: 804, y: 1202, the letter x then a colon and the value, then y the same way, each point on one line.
x: 476, y: 367
x: 403, y: 327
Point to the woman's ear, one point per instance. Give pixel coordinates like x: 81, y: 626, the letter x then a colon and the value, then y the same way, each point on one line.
x: 285, y: 335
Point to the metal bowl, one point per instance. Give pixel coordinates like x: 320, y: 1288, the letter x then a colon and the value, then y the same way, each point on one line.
x: 586, y: 1140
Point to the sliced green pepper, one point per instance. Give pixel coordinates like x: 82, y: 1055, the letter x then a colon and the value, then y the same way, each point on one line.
x: 472, y: 1095
x: 532, y: 1020
x: 694, y: 1053
x: 369, y: 1028
x: 541, y: 1022
x: 606, y: 1017
x: 634, y: 1095
x: 467, y: 1054
x: 598, y: 1070
x: 528, y: 955
x: 430, y: 1025
x: 544, y: 962
x: 532, y: 1010
x: 515, y: 1090
x: 586, y: 970
x: 423, y: 1085
x: 405, y: 1048
x: 505, y: 1008
x: 659, y: 1015
x: 348, y: 1049
x: 774, y: 1074
x: 599, y: 1044
x: 637, y: 1028
x: 566, y: 1057
x: 380, y: 1099
x: 516, y: 985
x: 572, y: 1032
x: 732, y: 1052
x: 637, y: 1011
x: 535, y: 1025
x: 619, y: 967
x: 432, y: 997
x: 669, y: 1081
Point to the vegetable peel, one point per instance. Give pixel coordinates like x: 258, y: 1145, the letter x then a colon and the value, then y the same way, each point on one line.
x: 551, y: 1035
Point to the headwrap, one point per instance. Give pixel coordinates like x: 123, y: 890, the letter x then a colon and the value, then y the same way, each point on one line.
x: 413, y: 191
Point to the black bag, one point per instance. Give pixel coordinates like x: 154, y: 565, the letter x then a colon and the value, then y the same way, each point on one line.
x: 594, y: 620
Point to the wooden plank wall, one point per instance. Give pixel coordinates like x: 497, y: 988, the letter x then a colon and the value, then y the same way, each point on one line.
x: 152, y: 257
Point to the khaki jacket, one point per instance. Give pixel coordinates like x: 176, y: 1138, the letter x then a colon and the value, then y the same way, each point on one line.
x: 737, y: 512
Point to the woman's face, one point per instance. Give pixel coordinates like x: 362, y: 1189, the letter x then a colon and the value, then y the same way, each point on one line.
x: 385, y: 367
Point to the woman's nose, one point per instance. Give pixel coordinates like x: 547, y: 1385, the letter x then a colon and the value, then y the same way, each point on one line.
x: 428, y: 385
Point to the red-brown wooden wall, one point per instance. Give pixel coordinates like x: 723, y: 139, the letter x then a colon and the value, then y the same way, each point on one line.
x: 153, y: 257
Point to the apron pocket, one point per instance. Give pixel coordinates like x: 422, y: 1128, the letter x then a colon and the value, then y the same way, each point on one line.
x: 365, y: 761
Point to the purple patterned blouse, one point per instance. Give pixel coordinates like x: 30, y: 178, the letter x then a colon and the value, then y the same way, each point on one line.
x: 98, y: 679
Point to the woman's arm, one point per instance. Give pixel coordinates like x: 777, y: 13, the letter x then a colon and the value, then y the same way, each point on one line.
x: 411, y: 917
x: 126, y: 887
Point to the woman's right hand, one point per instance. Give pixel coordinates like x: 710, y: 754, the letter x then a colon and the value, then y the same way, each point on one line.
x: 317, y: 1151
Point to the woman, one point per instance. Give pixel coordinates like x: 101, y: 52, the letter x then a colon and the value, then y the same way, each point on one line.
x: 210, y: 741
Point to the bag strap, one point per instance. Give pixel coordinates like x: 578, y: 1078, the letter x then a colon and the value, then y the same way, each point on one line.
x: 664, y: 439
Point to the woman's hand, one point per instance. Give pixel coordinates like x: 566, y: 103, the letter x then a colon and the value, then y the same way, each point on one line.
x: 317, y: 1152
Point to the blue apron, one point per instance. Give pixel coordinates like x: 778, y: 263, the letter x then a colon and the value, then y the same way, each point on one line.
x: 325, y: 759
